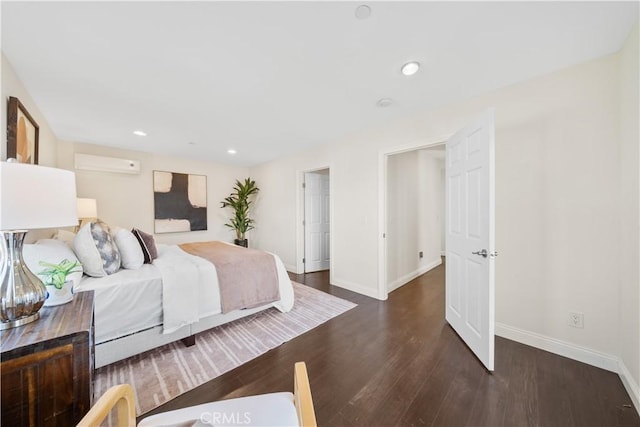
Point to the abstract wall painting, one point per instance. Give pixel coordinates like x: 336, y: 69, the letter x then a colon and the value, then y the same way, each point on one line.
x: 180, y: 202
x: 22, y: 133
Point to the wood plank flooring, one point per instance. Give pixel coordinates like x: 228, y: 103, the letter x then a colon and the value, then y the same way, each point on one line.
x: 398, y: 363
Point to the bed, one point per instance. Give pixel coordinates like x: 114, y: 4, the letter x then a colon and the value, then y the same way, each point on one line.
x: 131, y: 316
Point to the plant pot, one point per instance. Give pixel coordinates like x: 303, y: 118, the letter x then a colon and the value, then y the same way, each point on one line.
x: 57, y: 296
x: 241, y: 242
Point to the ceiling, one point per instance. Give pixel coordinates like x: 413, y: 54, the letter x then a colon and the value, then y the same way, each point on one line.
x: 271, y: 78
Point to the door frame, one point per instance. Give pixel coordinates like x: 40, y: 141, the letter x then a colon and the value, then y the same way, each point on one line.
x: 383, y: 157
x: 300, y: 218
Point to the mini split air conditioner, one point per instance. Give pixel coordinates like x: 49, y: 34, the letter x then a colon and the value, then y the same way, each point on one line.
x: 90, y: 162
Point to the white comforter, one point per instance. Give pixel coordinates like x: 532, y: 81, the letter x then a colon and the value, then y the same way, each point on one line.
x: 188, y: 292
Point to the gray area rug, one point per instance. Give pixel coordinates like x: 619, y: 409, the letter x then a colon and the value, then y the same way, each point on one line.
x: 161, y: 374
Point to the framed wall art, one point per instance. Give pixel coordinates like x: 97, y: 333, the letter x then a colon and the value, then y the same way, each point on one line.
x: 180, y: 202
x: 22, y: 133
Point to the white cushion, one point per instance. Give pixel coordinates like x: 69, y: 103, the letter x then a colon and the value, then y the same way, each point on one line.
x: 130, y: 250
x: 66, y: 237
x: 273, y: 409
x: 96, y: 250
x: 52, y: 251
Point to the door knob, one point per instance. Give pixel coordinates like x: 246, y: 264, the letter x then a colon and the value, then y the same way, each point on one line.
x: 482, y: 253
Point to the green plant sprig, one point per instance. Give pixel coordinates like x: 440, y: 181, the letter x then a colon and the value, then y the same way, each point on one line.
x: 56, y: 274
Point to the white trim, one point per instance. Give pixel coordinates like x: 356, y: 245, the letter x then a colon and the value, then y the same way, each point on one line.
x: 629, y: 384
x: 300, y: 216
x: 290, y: 268
x: 382, y: 202
x: 382, y: 226
x: 443, y: 253
x: 556, y: 346
x: 575, y: 352
x: 412, y: 275
x: 357, y: 288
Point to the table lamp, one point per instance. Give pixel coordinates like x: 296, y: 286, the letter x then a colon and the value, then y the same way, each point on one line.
x: 87, y: 210
x: 31, y: 197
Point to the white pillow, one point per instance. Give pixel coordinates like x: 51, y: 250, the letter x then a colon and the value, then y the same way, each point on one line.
x: 130, y: 250
x: 52, y: 251
x: 65, y: 236
x: 96, y: 250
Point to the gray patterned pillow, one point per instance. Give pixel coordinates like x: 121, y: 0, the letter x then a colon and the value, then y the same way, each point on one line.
x: 96, y: 249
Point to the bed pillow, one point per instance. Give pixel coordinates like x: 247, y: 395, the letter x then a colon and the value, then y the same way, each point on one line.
x: 130, y: 251
x: 51, y: 251
x: 96, y: 249
x: 148, y: 245
x: 66, y: 237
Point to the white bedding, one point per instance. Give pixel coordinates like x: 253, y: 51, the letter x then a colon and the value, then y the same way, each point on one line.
x: 132, y: 300
x: 125, y: 302
x: 189, y: 286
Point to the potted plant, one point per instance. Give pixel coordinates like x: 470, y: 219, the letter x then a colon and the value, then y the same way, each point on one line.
x: 59, y: 290
x: 240, y: 202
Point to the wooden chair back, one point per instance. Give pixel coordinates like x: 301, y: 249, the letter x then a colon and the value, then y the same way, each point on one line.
x: 122, y: 398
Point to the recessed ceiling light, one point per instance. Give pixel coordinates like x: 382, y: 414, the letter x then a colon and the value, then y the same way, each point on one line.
x: 363, y: 11
x: 384, y: 102
x: 410, y: 68
x: 231, y: 151
x: 139, y: 133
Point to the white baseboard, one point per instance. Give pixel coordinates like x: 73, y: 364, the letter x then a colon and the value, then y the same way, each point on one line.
x: 443, y: 253
x: 291, y: 268
x: 575, y: 352
x: 409, y: 277
x: 556, y: 346
x: 629, y: 384
x: 355, y: 287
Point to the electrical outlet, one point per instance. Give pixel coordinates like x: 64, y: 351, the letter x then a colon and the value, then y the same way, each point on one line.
x: 576, y: 320
x: 420, y: 254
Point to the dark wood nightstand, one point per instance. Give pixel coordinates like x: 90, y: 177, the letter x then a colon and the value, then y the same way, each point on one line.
x: 47, y: 366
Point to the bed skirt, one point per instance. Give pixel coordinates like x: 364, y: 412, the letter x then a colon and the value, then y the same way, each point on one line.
x: 121, y: 348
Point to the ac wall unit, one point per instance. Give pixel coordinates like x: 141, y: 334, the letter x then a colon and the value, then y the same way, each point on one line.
x: 90, y: 162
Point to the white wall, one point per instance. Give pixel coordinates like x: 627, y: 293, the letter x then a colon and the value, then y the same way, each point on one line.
x: 12, y: 86
x: 282, y: 197
x: 557, y: 199
x: 443, y: 200
x: 404, y: 198
x: 628, y: 228
x: 127, y: 200
x: 431, y: 209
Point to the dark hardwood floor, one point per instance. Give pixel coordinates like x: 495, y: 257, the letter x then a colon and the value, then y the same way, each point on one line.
x: 398, y: 363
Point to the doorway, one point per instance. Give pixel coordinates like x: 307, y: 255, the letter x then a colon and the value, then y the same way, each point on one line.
x: 469, y: 228
x: 415, y: 191
x: 317, y: 220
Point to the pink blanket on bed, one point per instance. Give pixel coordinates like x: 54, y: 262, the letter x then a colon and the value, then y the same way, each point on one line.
x: 247, y: 277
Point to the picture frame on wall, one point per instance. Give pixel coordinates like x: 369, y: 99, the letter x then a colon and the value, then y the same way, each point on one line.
x: 180, y: 202
x: 22, y: 133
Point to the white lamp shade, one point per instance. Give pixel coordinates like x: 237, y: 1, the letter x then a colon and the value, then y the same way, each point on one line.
x: 87, y: 208
x: 34, y: 196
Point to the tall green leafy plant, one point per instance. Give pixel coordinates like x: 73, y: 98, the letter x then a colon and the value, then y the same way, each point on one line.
x: 240, y: 201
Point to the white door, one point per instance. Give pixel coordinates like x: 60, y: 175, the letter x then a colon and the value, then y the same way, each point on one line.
x: 470, y: 237
x: 316, y: 222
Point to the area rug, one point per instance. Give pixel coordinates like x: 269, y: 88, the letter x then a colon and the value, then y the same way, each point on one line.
x: 166, y: 372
